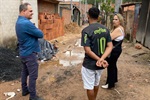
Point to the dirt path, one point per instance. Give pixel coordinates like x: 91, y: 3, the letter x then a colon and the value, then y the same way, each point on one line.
x: 58, y: 82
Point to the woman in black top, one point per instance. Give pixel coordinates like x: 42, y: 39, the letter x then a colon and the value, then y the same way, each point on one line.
x: 117, y: 36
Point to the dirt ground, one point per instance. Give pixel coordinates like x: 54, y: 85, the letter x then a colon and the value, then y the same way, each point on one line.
x: 60, y: 78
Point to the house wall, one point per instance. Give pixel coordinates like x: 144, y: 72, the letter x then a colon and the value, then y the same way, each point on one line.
x: 34, y: 5
x: 8, y: 16
x: 84, y: 10
x: 143, y: 30
x: 129, y: 21
x: 65, y: 11
x: 47, y: 7
x: 9, y: 10
x: 66, y: 14
x: 49, y: 20
x: 0, y: 23
x: 128, y: 14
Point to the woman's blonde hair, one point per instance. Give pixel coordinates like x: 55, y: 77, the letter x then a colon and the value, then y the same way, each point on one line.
x: 120, y: 17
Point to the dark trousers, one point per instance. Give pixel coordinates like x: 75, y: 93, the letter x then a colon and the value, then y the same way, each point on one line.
x: 30, y: 68
x: 112, y: 71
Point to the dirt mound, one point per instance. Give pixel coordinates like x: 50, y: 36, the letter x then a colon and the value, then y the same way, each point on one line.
x: 72, y: 28
x: 10, y: 65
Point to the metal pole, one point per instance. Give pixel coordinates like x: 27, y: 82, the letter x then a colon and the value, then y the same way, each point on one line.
x: 84, y: 10
x: 80, y: 5
x: 71, y: 11
x: 95, y: 3
x: 117, y: 5
x: 80, y: 12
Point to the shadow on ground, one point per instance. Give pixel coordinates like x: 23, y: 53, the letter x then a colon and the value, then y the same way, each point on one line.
x: 10, y: 65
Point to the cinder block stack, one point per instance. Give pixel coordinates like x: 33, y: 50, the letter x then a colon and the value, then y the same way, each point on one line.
x: 52, y: 25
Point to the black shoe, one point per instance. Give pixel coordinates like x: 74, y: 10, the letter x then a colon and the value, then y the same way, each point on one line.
x: 36, y: 98
x: 25, y: 93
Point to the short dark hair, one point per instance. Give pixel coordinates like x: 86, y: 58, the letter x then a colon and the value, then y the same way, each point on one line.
x: 23, y: 6
x: 94, y: 12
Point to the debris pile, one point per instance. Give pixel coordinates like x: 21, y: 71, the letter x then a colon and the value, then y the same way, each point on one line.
x: 48, y: 50
x: 10, y: 65
x: 72, y: 28
x: 138, y: 46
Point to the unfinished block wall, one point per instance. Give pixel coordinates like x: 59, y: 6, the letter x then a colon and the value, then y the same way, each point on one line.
x: 52, y: 25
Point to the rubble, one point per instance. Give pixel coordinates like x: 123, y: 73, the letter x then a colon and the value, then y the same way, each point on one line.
x: 72, y: 28
x: 9, y: 94
x: 138, y: 46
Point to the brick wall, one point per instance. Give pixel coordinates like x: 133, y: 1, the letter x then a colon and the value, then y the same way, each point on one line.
x: 49, y: 21
x: 52, y: 25
x: 47, y: 7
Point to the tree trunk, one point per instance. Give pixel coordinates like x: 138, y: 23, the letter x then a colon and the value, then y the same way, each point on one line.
x: 117, y: 5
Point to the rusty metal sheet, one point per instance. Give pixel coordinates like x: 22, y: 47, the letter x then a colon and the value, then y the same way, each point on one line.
x: 142, y: 21
x: 136, y: 19
x: 147, y: 33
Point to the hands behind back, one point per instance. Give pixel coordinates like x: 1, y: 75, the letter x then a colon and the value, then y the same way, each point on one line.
x: 102, y: 63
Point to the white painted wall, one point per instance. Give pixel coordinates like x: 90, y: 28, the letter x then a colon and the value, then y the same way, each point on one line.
x: 9, y: 11
x: 8, y: 15
x: 0, y: 22
x: 34, y: 4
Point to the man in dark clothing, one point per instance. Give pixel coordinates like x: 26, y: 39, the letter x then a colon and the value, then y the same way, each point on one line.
x: 27, y: 35
x: 97, y: 44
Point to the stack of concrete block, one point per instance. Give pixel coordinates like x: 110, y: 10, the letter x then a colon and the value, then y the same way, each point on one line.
x: 52, y: 25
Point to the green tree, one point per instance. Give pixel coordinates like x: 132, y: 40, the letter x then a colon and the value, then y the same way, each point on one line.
x: 107, y: 8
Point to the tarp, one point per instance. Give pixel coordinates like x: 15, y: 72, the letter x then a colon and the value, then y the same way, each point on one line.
x: 47, y: 50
